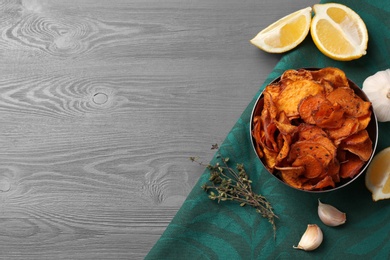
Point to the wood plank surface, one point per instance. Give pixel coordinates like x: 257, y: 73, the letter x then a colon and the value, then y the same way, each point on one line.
x: 101, y: 105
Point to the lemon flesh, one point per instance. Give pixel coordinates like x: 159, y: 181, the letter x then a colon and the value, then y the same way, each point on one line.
x: 338, y: 32
x: 284, y: 34
x: 377, y: 177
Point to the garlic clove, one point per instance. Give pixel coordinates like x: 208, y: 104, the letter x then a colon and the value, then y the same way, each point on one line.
x: 330, y: 215
x: 311, y: 239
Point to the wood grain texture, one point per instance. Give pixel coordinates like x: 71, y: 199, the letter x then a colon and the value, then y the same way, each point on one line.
x: 102, y: 103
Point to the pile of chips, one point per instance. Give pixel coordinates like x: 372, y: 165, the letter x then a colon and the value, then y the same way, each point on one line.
x: 311, y: 130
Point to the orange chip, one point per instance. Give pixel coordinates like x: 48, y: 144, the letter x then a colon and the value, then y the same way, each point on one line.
x: 284, y: 125
x: 270, y: 141
x: 352, y: 104
x: 294, y: 75
x: 270, y: 158
x: 327, y: 86
x: 359, y: 137
x: 302, y: 148
x: 320, y: 111
x: 327, y: 144
x: 285, y: 149
x: 313, y: 166
x: 363, y: 150
x: 350, y: 167
x: 269, y: 105
x: 273, y: 89
x: 325, y: 182
x: 307, y: 132
x: 329, y: 116
x: 292, y: 176
x: 334, y: 76
x: 341, y: 155
x: 364, y: 121
x: 268, y: 126
x: 359, y: 144
x: 292, y: 94
x: 349, y: 127
x: 257, y: 135
x: 308, y: 105
x: 333, y: 170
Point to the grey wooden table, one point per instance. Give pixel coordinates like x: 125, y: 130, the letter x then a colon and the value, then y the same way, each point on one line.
x: 101, y: 105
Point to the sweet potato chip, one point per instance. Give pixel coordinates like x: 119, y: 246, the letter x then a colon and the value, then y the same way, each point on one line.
x: 325, y: 182
x: 270, y: 158
x: 317, y: 183
x: 273, y: 89
x: 270, y: 141
x: 285, y: 126
x: 327, y: 144
x: 268, y: 126
x: 292, y: 176
x: 350, y: 167
x: 341, y: 155
x: 327, y: 86
x: 334, y: 76
x: 279, y: 141
x: 364, y: 121
x: 257, y: 135
x: 294, y: 75
x: 269, y: 105
x: 329, y: 116
x: 308, y: 132
x: 359, y: 137
x: 333, y: 170
x: 359, y: 144
x: 363, y: 150
x: 352, y: 104
x: 318, y: 110
x: 308, y: 106
x: 313, y: 166
x: 349, y: 127
x: 285, y: 149
x: 293, y: 171
x: 293, y: 92
x: 301, y: 148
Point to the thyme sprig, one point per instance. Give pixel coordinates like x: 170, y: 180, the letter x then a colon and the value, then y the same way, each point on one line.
x: 233, y: 184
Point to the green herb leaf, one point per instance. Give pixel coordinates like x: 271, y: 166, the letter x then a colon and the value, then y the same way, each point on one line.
x: 227, y: 183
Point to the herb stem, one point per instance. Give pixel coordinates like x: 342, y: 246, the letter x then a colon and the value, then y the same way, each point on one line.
x: 227, y: 183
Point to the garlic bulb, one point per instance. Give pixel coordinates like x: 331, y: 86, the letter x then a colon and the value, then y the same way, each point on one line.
x: 377, y: 89
x: 311, y: 239
x: 330, y: 215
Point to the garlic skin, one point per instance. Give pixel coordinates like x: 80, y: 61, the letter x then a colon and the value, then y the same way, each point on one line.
x: 311, y: 239
x: 330, y: 215
x: 377, y: 89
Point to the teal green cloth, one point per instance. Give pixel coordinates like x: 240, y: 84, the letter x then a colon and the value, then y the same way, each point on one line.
x: 204, y: 229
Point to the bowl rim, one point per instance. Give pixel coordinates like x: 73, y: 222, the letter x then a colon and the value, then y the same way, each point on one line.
x: 373, y: 132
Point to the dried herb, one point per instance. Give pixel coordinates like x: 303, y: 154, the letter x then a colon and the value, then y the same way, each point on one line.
x: 233, y: 184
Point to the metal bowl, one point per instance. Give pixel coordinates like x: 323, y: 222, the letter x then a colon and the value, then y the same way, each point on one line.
x: 372, y: 130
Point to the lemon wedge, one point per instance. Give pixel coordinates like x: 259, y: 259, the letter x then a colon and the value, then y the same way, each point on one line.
x: 377, y: 177
x: 284, y: 34
x: 338, y: 32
